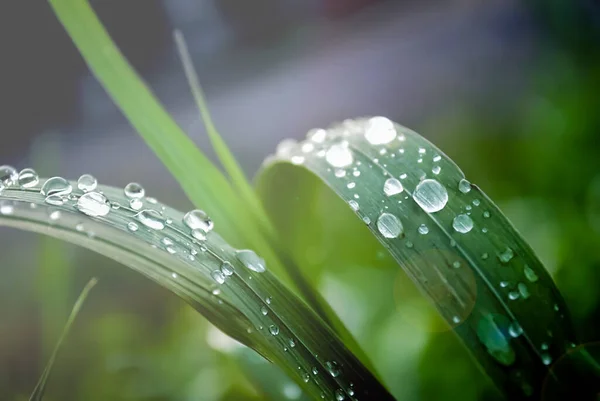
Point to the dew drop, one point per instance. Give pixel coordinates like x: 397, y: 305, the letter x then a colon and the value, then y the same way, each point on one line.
x: 274, y: 330
x: 151, y: 219
x: 87, y: 183
x: 28, y: 178
x: 546, y: 359
x: 436, y: 170
x: 136, y: 204
x: 198, y: 220
x: 392, y: 186
x: 218, y: 276
x: 264, y: 311
x: 251, y: 260
x: 55, y: 200
x: 339, y: 395
x: 464, y: 186
x: 131, y: 226
x: 351, y: 185
x: 133, y: 190
x: 339, y: 156
x: 317, y: 135
x: 506, y: 255
x: 515, y: 330
x: 380, y: 131
x: 339, y: 173
x: 56, y: 186
x: 8, y: 176
x: 227, y: 268
x: 423, y: 229
x: 93, y: 204
x: 530, y: 274
x: 332, y: 368
x: 389, y: 225
x: 462, y: 223
x: 354, y: 205
x: 6, y: 208
x: 523, y: 290
x: 55, y: 215
x: 430, y: 195
x: 437, y: 158
x: 486, y: 214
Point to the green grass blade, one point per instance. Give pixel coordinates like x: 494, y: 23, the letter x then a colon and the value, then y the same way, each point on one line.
x: 252, y: 307
x: 38, y: 392
x: 452, y: 241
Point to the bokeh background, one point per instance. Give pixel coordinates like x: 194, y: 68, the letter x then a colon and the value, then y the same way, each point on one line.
x: 509, y: 89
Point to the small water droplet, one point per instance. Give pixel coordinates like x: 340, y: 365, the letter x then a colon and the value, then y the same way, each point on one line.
x: 486, y: 214
x: 56, y: 186
x: 136, y: 204
x: 264, y: 311
x: 530, y: 274
x: 218, y: 276
x: 151, y: 219
x: 274, y: 330
x: 8, y: 176
x: 297, y: 159
x: 513, y: 295
x: 456, y: 264
x: 430, y: 195
x: 392, y: 186
x: 476, y: 202
x: 484, y: 256
x: 455, y: 319
x: 436, y: 170
x: 28, y: 178
x: 317, y: 135
x: 437, y: 158
x: 354, y: 205
x: 546, y: 359
x: 55, y: 200
x: 171, y: 250
x: 87, y: 183
x: 380, y: 131
x: 198, y: 220
x: 6, y: 208
x: 339, y: 395
x: 515, y: 329
x: 251, y: 260
x: 333, y: 368
x: 462, y: 223
x: 351, y: 185
x: 315, y: 371
x: 523, y: 290
x: 389, y: 225
x: 423, y: 230
x: 227, y: 268
x: 339, y: 173
x: 544, y: 346
x: 134, y: 190
x: 131, y: 226
x: 506, y: 255
x: 403, y: 176
x: 339, y: 156
x: 268, y: 300
x: 464, y: 186
x: 93, y: 204
x: 55, y: 215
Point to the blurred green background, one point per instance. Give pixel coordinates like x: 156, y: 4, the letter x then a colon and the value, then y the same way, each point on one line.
x: 508, y: 89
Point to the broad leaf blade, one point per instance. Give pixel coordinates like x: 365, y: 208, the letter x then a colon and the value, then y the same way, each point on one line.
x: 462, y: 253
x: 40, y: 388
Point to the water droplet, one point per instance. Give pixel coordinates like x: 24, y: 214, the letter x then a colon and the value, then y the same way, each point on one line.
x: 131, y: 226
x: 55, y: 215
x: 274, y: 330
x: 339, y: 395
x: 476, y: 202
x: 305, y: 377
x: 462, y: 223
x: 389, y: 225
x: 484, y: 256
x: 515, y: 330
x: 409, y: 244
x: 56, y: 186
x: 351, y: 185
x: 379, y: 131
x: 151, y: 219
x: 134, y: 190
x: 506, y: 255
x: 218, y: 276
x: 136, y: 204
x: 339, y: 173
x: 436, y: 170
x: 486, y: 214
x: 227, y: 268
x: 437, y: 158
x: 523, y: 290
x: 513, y: 295
x: 333, y: 368
x: 251, y: 260
x: 530, y: 274
x: 546, y: 359
x: 423, y: 230
x: 339, y: 156
x: 307, y: 147
x: 297, y: 159
x: 292, y: 343
x: 490, y: 331
x: 464, y: 186
x: 544, y: 346
x: 199, y: 234
x: 6, y: 208
x: 268, y: 300
x: 317, y: 135
x: 55, y: 200
x: 315, y: 371
x: 171, y: 250
x: 456, y: 264
x: 430, y: 195
x: 456, y: 320
x: 264, y: 311
x: 403, y: 176
x: 87, y: 183
x: 8, y: 176
x: 198, y: 220
x: 93, y: 204
x: 392, y: 187
x: 366, y: 220
x: 28, y: 178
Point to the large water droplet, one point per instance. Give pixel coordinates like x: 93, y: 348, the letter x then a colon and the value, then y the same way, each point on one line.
x: 333, y: 368
x: 380, y: 130
x: 56, y: 186
x: 8, y: 176
x: 392, y: 186
x: 464, y: 186
x: 227, y: 268
x: 430, y: 195
x: 87, y: 183
x: 515, y: 330
x: 339, y: 156
x: 198, y: 220
x: 218, y: 276
x: 93, y: 204
x: 134, y: 190
x: 462, y: 223
x: 274, y: 330
x: 151, y: 219
x: 389, y: 225
x: 251, y: 260
x: 530, y: 274
x: 28, y: 178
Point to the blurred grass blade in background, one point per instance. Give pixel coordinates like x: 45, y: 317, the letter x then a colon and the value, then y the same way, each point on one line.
x: 40, y: 388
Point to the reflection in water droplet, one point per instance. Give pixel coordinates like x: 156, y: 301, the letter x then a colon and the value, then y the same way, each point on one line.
x: 218, y: 276
x: 380, y: 131
x: 93, y: 204
x: 227, y: 268
x: 274, y: 330
x: 392, y: 187
x: 515, y: 329
x: 87, y: 183
x: 136, y: 204
x: 354, y: 205
x: 198, y: 220
x: 462, y: 223
x: 134, y: 190
x: 389, y: 225
x: 523, y: 290
x: 251, y: 260
x: 55, y: 215
x: 57, y: 186
x: 151, y: 219
x: 430, y: 195
x: 131, y: 226
x: 8, y: 176
x: 436, y: 170
x: 28, y: 178
x: 464, y: 186
x: 530, y: 274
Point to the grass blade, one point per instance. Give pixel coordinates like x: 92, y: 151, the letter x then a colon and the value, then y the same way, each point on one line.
x: 446, y: 234
x: 251, y: 306
x: 38, y: 392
